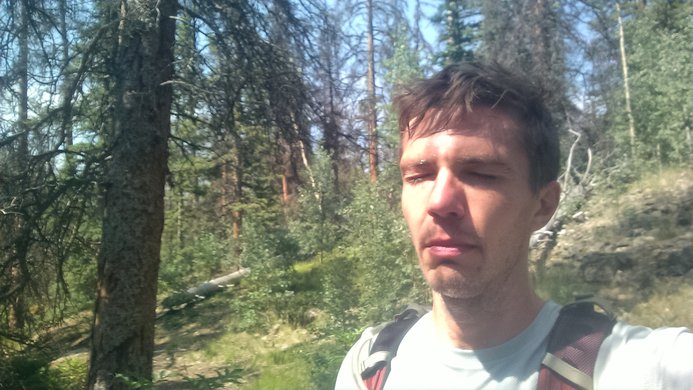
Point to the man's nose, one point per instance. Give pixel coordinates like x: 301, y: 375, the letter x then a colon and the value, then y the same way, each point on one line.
x: 447, y: 196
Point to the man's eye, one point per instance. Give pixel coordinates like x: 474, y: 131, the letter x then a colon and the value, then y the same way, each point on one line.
x: 483, y: 176
x: 415, y: 179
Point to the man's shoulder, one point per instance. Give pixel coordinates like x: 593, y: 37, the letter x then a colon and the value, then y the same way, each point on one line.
x: 625, y: 336
x: 641, y: 357
x: 637, y: 338
x: 360, y: 354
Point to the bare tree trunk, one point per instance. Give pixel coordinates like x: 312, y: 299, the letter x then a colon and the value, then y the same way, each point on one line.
x: 330, y: 122
x: 417, y: 25
x: 128, y: 265
x: 626, y: 87
x: 204, y: 290
x: 237, y: 222
x: 450, y: 8
x: 23, y: 86
x: 311, y: 176
x: 372, y: 115
x: 690, y: 143
x: 179, y: 221
x: 18, y: 272
x: 285, y: 189
x: 237, y: 195
x: 67, y: 79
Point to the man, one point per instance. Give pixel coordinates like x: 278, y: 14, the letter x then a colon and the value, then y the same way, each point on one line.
x: 479, y: 162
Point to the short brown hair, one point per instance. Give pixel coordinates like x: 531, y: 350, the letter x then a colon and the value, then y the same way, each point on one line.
x: 460, y: 87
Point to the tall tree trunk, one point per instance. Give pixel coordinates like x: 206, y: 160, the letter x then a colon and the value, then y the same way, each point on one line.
x: 451, y: 16
x: 330, y: 118
x: 23, y: 65
x: 128, y: 264
x: 67, y: 79
x: 417, y: 25
x: 372, y: 115
x: 626, y: 86
x: 18, y: 272
x: 690, y: 144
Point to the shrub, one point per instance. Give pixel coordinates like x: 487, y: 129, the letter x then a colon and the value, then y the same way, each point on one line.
x: 33, y: 370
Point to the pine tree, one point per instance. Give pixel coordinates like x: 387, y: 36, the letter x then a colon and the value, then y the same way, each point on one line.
x: 123, y: 330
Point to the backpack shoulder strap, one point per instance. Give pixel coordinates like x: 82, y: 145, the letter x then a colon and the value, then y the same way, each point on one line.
x: 573, y: 346
x: 375, y: 367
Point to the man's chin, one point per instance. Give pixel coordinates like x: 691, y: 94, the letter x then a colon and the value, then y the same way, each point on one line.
x: 456, y: 288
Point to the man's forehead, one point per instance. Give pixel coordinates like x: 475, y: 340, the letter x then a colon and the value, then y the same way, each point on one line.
x: 488, y: 122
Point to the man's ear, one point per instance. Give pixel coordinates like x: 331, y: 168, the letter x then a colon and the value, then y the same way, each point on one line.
x: 549, y: 196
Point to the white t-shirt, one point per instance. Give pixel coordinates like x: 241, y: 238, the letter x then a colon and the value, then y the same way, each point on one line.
x: 632, y: 357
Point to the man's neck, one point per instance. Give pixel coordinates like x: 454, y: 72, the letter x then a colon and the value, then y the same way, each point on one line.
x: 484, y: 322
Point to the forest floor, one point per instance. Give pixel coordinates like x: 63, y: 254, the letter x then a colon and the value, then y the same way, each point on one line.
x: 630, y: 246
x: 199, y: 348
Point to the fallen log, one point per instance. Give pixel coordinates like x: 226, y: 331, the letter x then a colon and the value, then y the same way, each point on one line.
x: 202, y: 291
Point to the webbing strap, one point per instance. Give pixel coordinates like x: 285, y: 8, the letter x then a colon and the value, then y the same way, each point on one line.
x: 376, y: 367
x: 374, y: 362
x: 574, y: 342
x: 567, y: 371
x: 568, y: 365
x: 377, y: 380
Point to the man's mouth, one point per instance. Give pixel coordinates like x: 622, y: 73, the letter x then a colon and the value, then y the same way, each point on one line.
x: 445, y: 248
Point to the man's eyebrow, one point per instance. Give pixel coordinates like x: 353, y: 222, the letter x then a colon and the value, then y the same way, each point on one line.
x: 485, y: 162
x: 415, y: 163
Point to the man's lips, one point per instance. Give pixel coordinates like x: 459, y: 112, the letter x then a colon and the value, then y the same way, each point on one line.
x: 447, y: 247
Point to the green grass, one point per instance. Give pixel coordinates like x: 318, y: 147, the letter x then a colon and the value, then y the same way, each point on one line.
x: 281, y: 370
x: 303, y: 267
x: 668, y: 305
x: 561, y: 284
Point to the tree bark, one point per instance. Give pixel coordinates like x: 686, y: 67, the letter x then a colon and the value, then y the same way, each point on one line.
x: 626, y: 86
x: 128, y: 264
x: 23, y: 66
x: 67, y: 78
x: 18, y: 272
x: 201, y: 291
x: 372, y: 115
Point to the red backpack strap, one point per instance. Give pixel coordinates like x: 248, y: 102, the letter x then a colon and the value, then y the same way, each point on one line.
x: 574, y: 345
x: 375, y: 369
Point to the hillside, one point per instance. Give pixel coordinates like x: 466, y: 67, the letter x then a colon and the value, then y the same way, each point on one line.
x: 631, y: 246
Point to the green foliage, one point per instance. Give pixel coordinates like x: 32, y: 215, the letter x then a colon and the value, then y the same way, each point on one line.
x: 324, y: 359
x: 315, y: 226
x: 403, y: 66
x: 22, y: 370
x: 401, y: 69
x: 135, y: 384
x: 459, y: 30
x: 240, y: 117
x: 310, y: 365
x: 286, y: 370
x: 70, y: 373
x: 269, y: 252
x: 661, y: 101
x: 223, y: 378
x: 561, y: 284
x: 388, y: 275
x: 27, y: 370
x: 203, y: 258
x: 340, y: 294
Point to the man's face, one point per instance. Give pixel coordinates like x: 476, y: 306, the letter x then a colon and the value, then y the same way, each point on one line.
x: 468, y: 203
